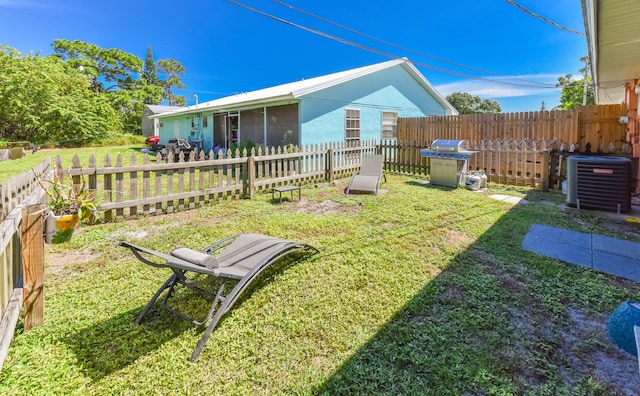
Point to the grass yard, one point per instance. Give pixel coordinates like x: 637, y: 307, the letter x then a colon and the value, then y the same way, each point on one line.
x: 9, y: 169
x: 420, y: 290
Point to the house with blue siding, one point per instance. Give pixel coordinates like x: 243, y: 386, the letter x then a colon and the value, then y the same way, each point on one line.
x: 356, y: 105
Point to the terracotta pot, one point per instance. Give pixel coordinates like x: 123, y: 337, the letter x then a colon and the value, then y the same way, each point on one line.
x: 58, y: 229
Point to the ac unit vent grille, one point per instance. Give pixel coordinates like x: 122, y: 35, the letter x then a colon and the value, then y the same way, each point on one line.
x: 602, y: 183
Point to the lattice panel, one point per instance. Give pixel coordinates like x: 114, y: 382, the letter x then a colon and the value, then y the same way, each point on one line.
x: 280, y: 120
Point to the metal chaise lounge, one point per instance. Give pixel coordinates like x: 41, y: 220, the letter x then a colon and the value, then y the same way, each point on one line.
x: 239, y: 257
x: 370, y: 174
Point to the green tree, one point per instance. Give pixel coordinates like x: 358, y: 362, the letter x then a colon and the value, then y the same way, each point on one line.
x: 149, y: 69
x: 172, y: 69
x: 109, y: 69
x: 131, y: 102
x: 465, y: 103
x: 42, y: 100
x: 573, y: 91
x: 115, y: 74
x: 150, y: 79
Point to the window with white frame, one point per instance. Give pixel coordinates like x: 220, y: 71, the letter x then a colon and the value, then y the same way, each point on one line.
x: 205, y: 122
x: 352, y: 126
x: 389, y: 124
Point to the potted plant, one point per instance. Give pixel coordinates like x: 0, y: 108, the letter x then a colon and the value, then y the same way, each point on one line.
x: 68, y: 206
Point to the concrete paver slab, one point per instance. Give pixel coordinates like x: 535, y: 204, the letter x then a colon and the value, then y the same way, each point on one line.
x: 508, y: 198
x: 570, y: 246
x: 618, y: 247
x: 616, y: 265
x: 575, y: 240
x: 601, y: 253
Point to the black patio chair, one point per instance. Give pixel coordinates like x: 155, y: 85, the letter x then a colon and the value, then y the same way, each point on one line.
x: 239, y: 257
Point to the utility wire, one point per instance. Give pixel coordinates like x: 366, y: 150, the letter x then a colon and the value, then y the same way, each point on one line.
x: 386, y: 54
x: 547, y: 20
x: 404, y: 48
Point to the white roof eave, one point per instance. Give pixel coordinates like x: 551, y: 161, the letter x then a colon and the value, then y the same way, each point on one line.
x: 199, y: 108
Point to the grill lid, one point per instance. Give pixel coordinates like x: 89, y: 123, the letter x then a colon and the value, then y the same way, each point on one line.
x: 449, y: 146
x: 443, y: 148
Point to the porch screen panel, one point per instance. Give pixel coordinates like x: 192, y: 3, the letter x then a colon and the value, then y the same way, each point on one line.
x: 282, y: 125
x: 218, y: 130
x: 252, y: 126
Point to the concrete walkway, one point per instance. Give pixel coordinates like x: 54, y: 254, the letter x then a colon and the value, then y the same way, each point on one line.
x: 509, y: 199
x: 601, y: 253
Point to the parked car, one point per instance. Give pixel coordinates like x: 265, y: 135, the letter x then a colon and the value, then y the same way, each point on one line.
x: 151, y: 140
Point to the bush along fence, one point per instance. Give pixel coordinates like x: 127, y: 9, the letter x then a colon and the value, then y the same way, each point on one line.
x: 184, y: 183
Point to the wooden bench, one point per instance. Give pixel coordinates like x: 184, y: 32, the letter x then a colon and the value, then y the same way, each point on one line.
x: 282, y: 189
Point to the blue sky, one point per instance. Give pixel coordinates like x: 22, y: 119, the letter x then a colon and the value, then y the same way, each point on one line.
x: 228, y: 49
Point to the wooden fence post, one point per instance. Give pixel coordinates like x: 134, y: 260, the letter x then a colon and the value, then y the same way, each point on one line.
x: 251, y: 163
x: 33, y: 265
x: 329, y: 165
x: 133, y: 187
x: 545, y: 170
x: 119, y: 187
x: 108, y: 188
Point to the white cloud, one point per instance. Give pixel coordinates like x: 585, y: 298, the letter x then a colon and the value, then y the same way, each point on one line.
x: 486, y: 89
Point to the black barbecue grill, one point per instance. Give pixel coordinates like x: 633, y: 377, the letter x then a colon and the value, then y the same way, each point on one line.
x: 447, y: 161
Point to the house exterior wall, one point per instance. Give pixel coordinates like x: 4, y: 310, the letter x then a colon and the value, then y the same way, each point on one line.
x: 322, y: 113
x: 167, y: 130
x: 147, y: 123
x: 319, y: 116
x: 632, y: 100
x: 282, y: 126
x: 204, y: 131
x: 191, y: 128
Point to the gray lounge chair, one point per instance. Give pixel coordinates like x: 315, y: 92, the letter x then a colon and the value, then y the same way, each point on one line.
x: 370, y: 174
x: 239, y: 257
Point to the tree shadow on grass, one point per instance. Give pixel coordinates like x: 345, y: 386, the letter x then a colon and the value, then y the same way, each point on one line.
x: 427, y: 184
x: 425, y: 348
x: 495, y: 319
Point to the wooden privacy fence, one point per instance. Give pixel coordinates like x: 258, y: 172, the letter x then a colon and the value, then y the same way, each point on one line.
x: 154, y: 188
x: 505, y: 161
x: 21, y: 253
x: 598, y: 125
x: 514, y: 161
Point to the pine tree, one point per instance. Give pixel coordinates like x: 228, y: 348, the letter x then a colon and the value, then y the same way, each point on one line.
x: 149, y: 69
x: 150, y: 77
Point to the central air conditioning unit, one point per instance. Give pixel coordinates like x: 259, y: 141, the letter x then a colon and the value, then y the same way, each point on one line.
x: 602, y: 183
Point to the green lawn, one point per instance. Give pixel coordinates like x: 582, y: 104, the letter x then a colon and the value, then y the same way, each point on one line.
x: 11, y: 168
x: 420, y: 290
